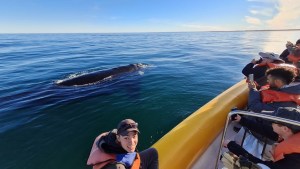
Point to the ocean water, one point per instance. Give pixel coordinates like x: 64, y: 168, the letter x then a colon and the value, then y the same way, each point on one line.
x: 43, y: 125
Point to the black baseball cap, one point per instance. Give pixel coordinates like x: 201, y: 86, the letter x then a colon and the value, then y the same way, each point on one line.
x: 288, y: 113
x: 126, y: 126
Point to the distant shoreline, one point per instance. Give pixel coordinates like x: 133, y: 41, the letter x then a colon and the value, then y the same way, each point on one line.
x: 258, y: 30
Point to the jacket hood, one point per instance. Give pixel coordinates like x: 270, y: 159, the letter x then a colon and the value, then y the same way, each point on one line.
x: 109, y: 144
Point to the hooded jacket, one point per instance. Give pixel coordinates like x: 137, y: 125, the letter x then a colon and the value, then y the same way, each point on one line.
x: 105, y: 151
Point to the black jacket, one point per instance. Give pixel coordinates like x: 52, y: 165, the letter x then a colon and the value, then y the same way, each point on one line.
x: 290, y: 161
x: 258, y: 73
x: 284, y: 56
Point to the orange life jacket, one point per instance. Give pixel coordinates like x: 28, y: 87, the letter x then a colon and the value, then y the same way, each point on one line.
x: 98, y: 158
x: 288, y: 146
x: 137, y: 162
x: 265, y: 87
x: 269, y: 96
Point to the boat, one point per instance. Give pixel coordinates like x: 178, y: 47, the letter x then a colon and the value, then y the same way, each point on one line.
x: 195, y: 142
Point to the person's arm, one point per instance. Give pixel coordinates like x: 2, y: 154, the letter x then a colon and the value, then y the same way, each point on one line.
x: 284, y: 54
x: 248, y: 69
x: 261, y: 128
x: 255, y: 102
x: 287, y: 162
x: 240, y: 151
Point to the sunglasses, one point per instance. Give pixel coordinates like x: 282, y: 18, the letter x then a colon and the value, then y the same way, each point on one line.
x: 128, y: 126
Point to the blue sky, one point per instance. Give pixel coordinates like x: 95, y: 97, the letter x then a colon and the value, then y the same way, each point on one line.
x: 102, y: 16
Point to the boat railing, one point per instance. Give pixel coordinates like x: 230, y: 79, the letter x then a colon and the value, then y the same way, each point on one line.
x: 252, y: 114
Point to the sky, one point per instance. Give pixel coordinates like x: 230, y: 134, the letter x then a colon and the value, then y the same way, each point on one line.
x: 111, y: 16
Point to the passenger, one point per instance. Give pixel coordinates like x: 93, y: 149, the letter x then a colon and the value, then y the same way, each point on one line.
x: 259, y: 67
x: 117, y: 149
x: 286, y: 154
x: 279, y: 93
x: 294, y: 57
x: 286, y: 52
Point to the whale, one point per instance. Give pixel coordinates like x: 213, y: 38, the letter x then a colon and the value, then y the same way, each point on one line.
x: 99, y: 76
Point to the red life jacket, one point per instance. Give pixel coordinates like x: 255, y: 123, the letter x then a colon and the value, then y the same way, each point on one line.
x: 98, y: 158
x: 269, y: 96
x: 288, y: 146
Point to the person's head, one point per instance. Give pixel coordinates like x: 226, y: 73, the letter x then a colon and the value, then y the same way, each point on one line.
x: 298, y: 42
x: 284, y: 129
x: 270, y: 57
x: 127, y: 135
x: 294, y: 56
x: 280, y: 76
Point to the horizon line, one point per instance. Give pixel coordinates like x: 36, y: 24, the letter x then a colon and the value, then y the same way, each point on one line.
x: 245, y: 30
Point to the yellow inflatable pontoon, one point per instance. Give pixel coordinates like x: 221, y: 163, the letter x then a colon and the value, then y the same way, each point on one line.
x: 187, y: 142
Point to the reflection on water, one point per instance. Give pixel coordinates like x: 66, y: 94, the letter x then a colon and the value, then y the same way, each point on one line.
x: 266, y: 41
x: 276, y: 40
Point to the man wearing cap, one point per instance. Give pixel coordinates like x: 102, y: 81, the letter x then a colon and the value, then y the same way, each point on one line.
x: 281, y: 93
x: 286, y: 153
x: 117, y: 149
x: 259, y: 67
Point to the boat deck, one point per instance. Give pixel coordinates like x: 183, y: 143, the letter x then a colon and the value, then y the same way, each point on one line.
x: 210, y: 158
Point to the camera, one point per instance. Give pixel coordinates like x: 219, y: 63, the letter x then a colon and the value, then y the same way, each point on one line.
x: 251, y: 78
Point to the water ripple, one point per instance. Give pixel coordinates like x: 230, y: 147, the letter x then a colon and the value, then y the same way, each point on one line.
x: 36, y: 116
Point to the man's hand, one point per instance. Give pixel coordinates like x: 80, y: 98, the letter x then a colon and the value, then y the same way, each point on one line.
x: 236, y: 118
x: 251, y: 85
x: 289, y: 44
x: 225, y: 143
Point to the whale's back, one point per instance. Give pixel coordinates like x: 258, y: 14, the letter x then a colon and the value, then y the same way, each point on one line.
x: 98, y: 76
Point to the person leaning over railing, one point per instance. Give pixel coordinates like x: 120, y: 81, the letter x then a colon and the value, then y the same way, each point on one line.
x: 286, y: 154
x: 259, y: 67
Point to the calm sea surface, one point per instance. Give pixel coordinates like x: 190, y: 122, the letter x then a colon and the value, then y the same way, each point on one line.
x: 46, y: 126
